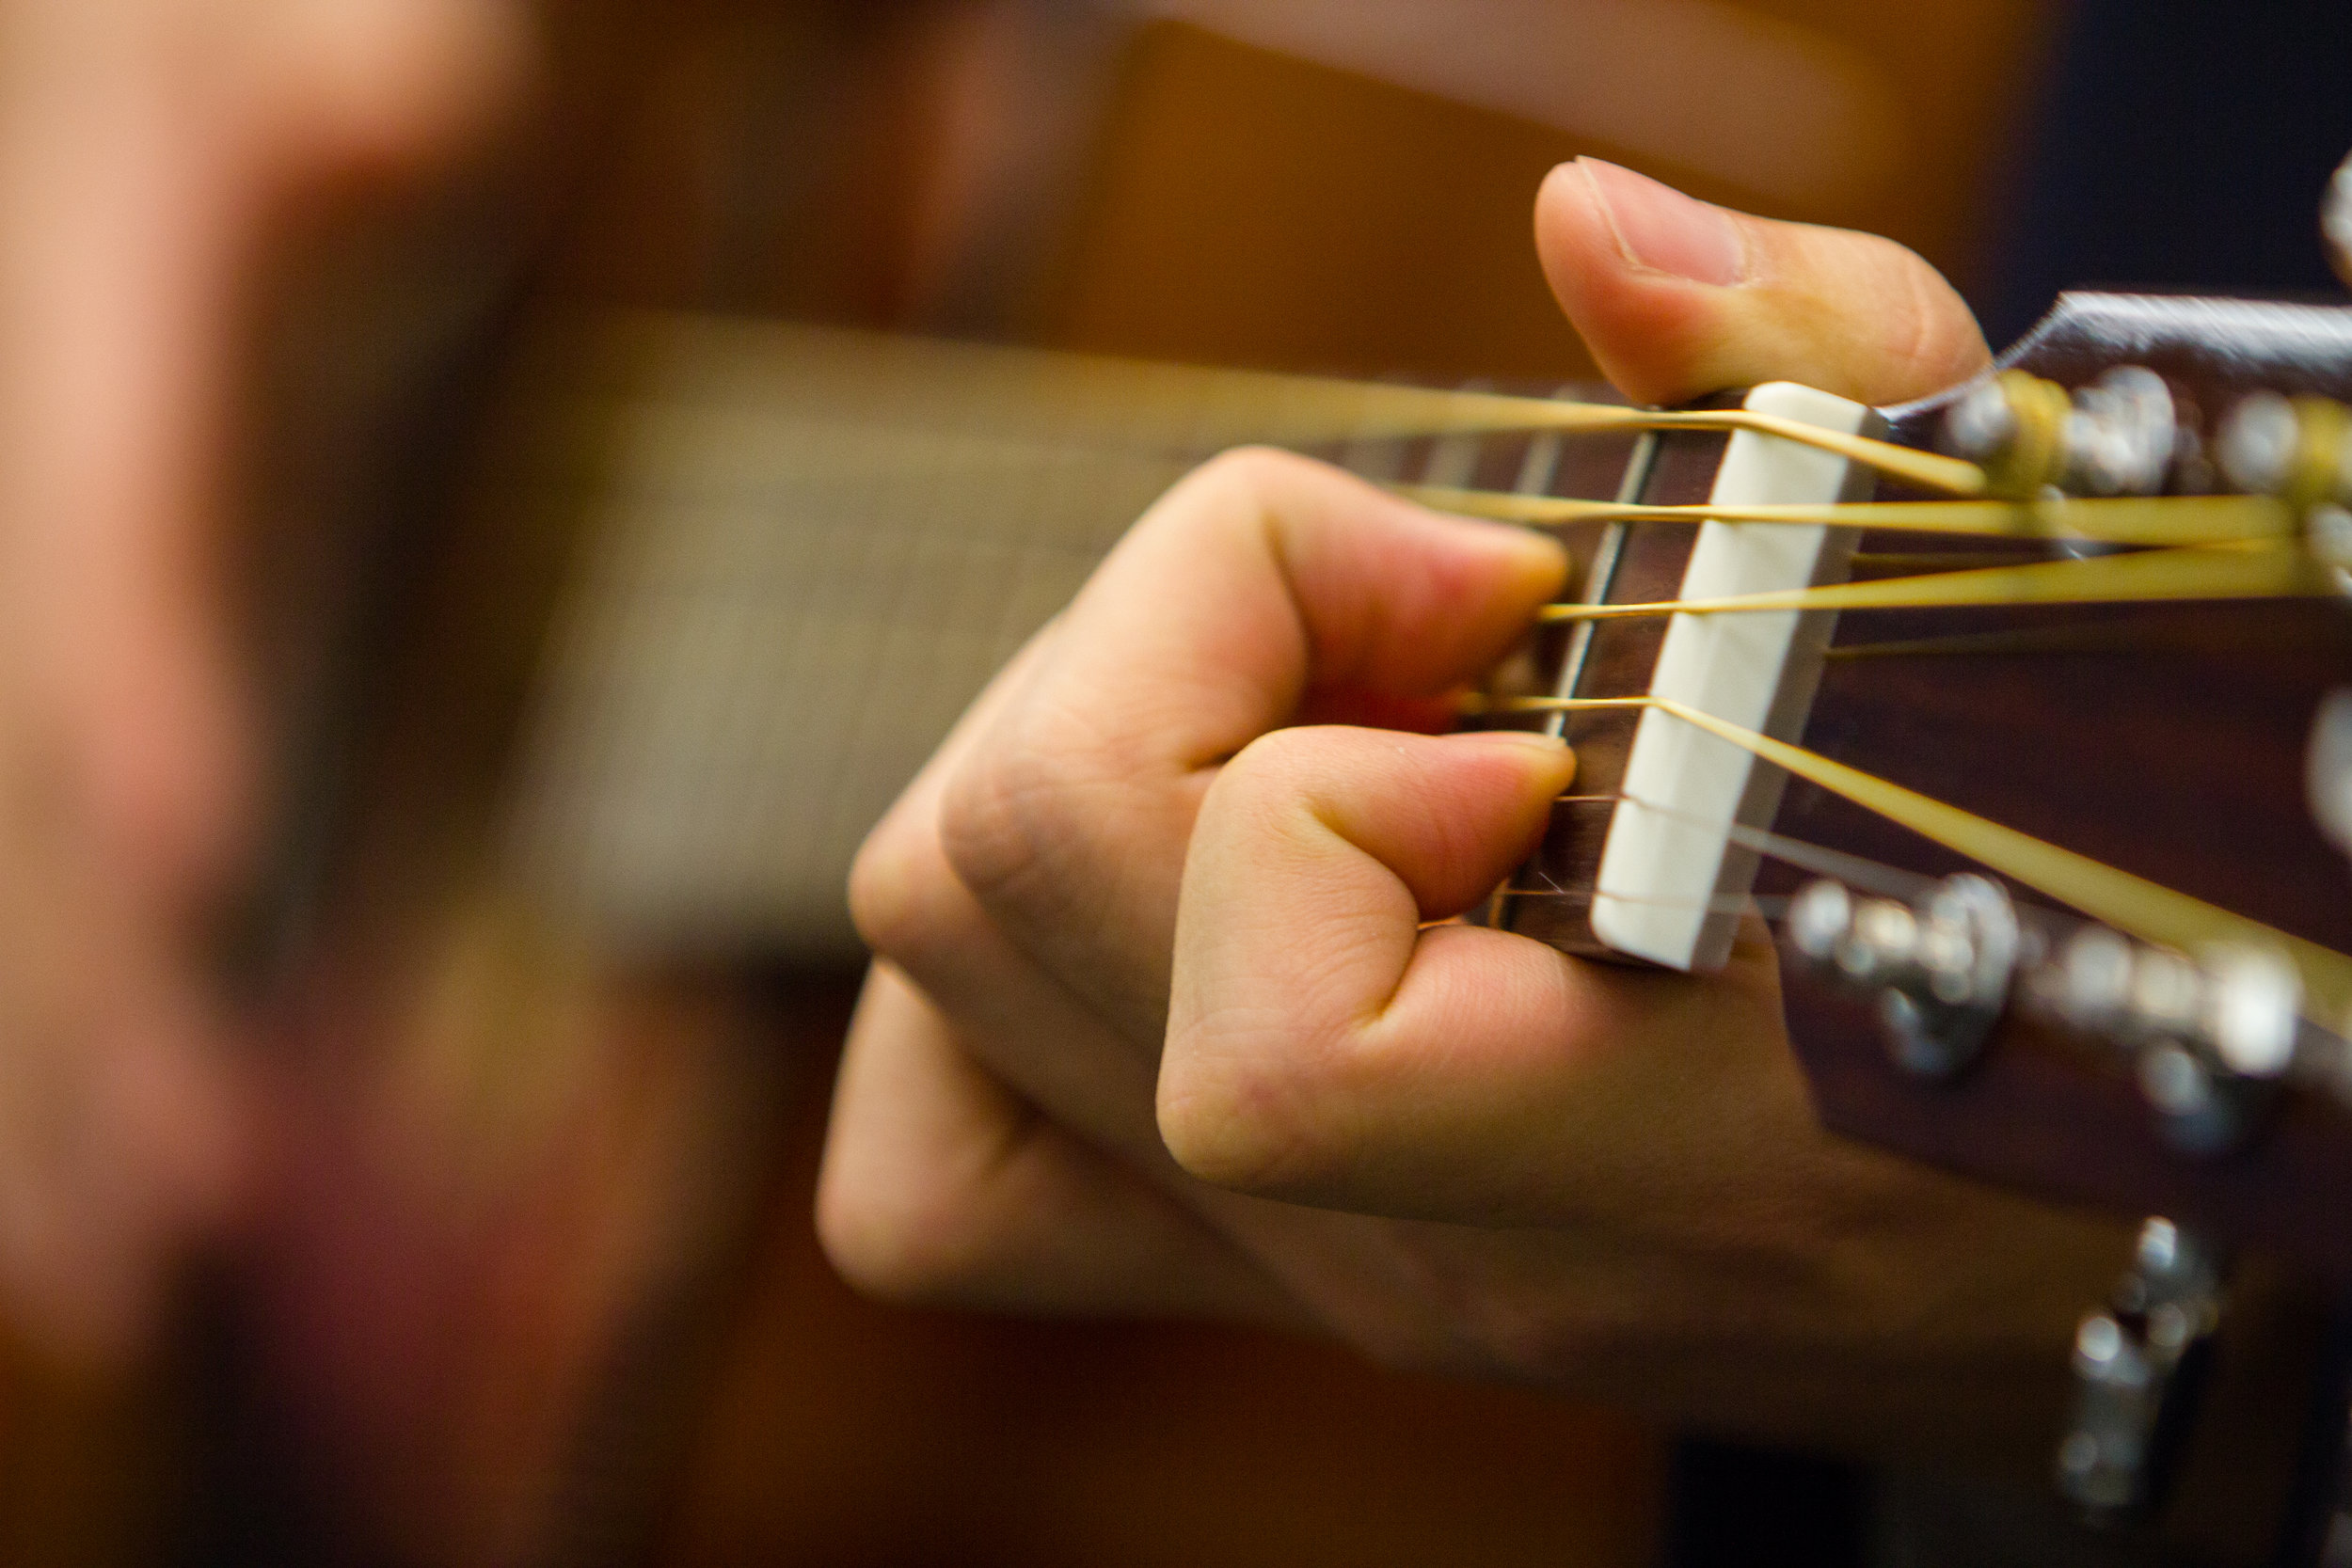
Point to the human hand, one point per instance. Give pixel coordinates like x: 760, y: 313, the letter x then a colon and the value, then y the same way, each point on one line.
x: 1142, y: 836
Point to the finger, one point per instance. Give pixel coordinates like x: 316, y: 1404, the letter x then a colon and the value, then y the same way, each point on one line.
x: 1326, y: 1046
x: 1035, y: 1035
x: 1677, y: 298
x: 1023, y: 1025
x: 119, y: 1127
x: 941, y: 1184
x: 1258, y: 581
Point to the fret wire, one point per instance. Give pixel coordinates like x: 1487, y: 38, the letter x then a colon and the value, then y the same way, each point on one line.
x: 1536, y: 473
x: 2131, y: 904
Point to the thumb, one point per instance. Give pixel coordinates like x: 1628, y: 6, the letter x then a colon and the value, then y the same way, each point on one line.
x: 1677, y: 298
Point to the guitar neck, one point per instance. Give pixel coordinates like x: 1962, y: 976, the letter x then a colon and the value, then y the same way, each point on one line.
x: 777, y: 562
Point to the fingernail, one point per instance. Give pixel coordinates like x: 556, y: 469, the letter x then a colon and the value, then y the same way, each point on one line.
x: 1661, y: 229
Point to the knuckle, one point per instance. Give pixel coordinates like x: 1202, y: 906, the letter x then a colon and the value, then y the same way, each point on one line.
x: 1026, y: 821
x: 1002, y: 812
x: 1251, y: 472
x: 893, y: 891
x: 907, y: 1236
x: 1271, y: 773
x: 1247, y: 1123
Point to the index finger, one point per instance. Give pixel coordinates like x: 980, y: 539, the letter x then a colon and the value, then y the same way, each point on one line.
x: 1260, y: 580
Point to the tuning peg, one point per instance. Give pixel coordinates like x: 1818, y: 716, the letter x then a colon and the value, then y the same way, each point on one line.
x: 2299, y: 448
x: 2128, y: 1363
x: 2113, y: 437
x: 2207, y: 1040
x: 2335, y: 220
x: 1940, y: 968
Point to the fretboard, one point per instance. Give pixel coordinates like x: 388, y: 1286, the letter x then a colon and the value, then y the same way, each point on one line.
x: 798, y: 554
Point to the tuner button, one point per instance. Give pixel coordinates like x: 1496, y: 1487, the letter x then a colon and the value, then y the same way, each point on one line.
x: 1819, y: 918
x: 2328, y: 534
x: 2094, y: 978
x: 2335, y: 220
x: 2327, y: 768
x: 2256, y: 447
x: 1981, y: 424
x: 2166, y: 990
x: 2157, y: 1251
x: 2127, y: 1360
x: 1940, y: 973
x: 1883, y: 938
x: 2175, y: 1083
x: 2120, y: 439
x: 2252, y: 1003
x: 2171, y: 1266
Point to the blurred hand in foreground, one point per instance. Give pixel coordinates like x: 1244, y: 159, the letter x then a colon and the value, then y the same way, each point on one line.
x: 1156, y: 970
x: 153, y: 153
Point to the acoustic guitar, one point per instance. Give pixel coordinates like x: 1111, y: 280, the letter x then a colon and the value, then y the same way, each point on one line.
x: 2009, y: 709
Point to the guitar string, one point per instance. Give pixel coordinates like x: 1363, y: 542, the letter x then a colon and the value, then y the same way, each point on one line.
x: 2323, y: 1057
x: 2266, y: 570
x: 2131, y: 904
x: 1929, y: 561
x: 1887, y: 881
x: 1061, y: 395
x: 1336, y: 410
x: 1772, y: 906
x: 2113, y: 520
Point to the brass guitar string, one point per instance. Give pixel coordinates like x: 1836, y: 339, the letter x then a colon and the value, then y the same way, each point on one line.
x: 2323, y: 1054
x: 1931, y: 561
x: 1067, y: 399
x: 2133, y: 904
x: 2112, y: 520
x: 2267, y: 569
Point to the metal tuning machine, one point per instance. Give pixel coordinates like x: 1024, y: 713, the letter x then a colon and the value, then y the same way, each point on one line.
x: 2137, y: 1365
x: 1940, y: 968
x: 2327, y: 768
x: 2113, y: 437
x: 2335, y: 221
x: 2209, y: 1041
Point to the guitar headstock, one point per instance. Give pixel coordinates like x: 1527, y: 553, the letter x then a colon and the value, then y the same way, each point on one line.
x: 2173, y: 741
x: 2145, y: 750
